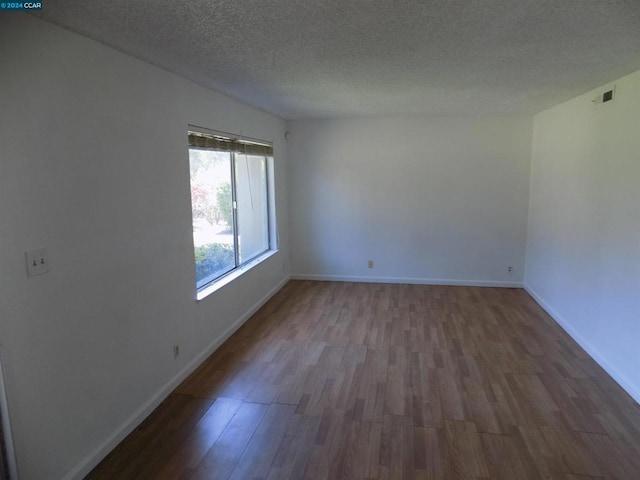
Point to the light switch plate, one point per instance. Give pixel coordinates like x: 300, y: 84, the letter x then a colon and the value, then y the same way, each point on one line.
x: 37, y: 262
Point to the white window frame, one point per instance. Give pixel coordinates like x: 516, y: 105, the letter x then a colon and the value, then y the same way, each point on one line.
x: 209, y: 285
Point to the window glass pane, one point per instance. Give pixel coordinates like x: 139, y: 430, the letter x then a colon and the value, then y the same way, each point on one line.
x: 211, y: 204
x: 251, y: 196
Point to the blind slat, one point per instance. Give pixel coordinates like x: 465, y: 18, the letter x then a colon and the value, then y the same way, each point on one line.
x: 224, y: 144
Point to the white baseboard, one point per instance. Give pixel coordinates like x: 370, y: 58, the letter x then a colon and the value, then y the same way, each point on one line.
x: 91, y: 460
x: 406, y: 280
x: 622, y: 380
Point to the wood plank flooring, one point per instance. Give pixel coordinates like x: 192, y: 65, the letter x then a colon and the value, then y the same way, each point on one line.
x: 377, y: 381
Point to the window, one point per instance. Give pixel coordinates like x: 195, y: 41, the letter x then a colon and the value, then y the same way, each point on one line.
x: 229, y: 202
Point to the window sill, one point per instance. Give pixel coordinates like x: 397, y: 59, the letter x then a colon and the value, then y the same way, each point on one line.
x: 231, y: 276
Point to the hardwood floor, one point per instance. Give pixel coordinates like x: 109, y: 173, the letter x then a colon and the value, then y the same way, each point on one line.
x: 377, y: 381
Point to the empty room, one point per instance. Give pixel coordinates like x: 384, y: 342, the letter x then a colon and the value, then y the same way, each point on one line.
x: 317, y: 240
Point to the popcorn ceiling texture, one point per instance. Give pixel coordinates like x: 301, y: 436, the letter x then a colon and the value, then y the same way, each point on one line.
x: 349, y: 58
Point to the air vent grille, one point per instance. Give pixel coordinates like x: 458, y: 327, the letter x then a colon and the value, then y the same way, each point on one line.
x: 604, y: 97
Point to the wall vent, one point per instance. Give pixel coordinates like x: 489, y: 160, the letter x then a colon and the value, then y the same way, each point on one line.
x: 604, y: 97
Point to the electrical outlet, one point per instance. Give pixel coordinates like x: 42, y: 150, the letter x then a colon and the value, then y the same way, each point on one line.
x: 370, y: 264
x: 510, y: 269
x: 37, y: 262
x: 176, y: 351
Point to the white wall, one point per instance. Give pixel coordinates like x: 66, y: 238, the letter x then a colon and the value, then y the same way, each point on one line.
x: 94, y: 167
x: 429, y: 200
x: 583, y: 249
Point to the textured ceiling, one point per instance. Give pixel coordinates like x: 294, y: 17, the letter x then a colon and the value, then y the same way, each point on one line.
x: 337, y: 58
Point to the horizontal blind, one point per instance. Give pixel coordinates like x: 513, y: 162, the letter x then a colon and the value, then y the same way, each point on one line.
x: 226, y: 144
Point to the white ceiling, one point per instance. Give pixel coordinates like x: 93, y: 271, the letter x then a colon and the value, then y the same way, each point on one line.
x: 337, y: 58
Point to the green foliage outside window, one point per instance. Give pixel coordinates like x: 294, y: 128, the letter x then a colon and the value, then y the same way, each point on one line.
x: 213, y: 258
x: 223, y: 197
